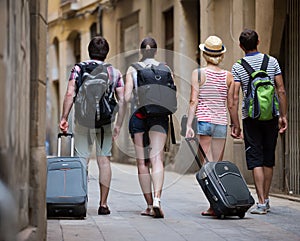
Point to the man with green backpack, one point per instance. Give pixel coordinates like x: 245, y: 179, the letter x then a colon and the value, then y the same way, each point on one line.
x: 264, y: 110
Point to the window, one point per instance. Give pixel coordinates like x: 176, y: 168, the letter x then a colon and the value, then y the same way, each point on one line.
x: 130, y: 39
x: 169, y: 36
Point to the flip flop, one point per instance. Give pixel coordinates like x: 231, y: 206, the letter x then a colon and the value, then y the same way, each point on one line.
x: 147, y: 212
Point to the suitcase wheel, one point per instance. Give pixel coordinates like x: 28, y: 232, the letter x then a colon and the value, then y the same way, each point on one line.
x: 241, y: 215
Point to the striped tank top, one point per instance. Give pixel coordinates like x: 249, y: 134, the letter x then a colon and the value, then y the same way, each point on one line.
x: 212, y: 98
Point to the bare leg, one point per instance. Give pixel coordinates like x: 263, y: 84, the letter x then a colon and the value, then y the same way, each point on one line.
x: 217, y: 148
x: 143, y: 169
x: 268, y: 174
x: 157, y: 142
x: 259, y: 181
x: 104, y: 178
x: 205, y: 142
x: 214, y: 150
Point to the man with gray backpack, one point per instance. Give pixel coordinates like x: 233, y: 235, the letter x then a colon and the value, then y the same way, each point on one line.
x: 264, y: 112
x: 92, y: 88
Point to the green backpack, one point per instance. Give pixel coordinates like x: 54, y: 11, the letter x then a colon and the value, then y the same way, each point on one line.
x: 260, y: 100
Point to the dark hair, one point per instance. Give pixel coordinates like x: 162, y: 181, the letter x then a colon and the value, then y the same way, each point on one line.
x: 98, y: 48
x: 146, y: 51
x: 249, y: 39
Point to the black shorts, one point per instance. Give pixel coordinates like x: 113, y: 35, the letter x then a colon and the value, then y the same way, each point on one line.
x: 260, y: 142
x: 159, y: 124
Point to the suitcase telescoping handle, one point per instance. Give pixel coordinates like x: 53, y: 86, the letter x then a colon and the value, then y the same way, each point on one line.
x: 195, y: 139
x: 59, y: 142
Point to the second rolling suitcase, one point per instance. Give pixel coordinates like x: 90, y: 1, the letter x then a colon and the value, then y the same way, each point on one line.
x: 223, y: 185
x: 66, y: 194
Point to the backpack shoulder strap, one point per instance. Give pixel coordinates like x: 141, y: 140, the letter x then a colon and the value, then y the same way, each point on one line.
x: 250, y: 71
x: 136, y: 66
x: 246, y: 66
x: 264, y: 64
x: 79, y: 81
x: 111, y: 76
x: 164, y: 65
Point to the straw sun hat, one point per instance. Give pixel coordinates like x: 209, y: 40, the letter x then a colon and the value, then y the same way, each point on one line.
x: 213, y: 46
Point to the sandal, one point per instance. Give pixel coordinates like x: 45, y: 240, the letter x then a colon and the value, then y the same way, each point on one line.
x: 103, y: 210
x: 148, y: 212
x: 208, y: 213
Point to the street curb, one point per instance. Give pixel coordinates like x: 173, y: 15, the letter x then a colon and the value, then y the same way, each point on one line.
x: 279, y: 195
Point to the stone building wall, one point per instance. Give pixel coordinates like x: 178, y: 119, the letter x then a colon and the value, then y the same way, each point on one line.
x: 23, y: 51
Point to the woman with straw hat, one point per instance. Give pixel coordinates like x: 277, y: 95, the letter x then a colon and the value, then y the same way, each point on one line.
x: 212, y: 89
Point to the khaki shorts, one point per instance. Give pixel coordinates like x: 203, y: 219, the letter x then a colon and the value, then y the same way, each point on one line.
x: 84, y: 139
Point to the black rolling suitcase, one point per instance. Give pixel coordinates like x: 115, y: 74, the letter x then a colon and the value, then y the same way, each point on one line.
x: 66, y: 194
x: 223, y: 185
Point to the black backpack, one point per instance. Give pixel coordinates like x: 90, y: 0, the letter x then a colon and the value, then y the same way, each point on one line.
x: 156, y: 91
x: 94, y: 100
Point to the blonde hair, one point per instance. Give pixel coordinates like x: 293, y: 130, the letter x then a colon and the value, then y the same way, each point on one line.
x: 213, y: 59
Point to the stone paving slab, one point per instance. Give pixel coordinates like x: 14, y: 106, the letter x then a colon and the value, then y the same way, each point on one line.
x: 182, y: 202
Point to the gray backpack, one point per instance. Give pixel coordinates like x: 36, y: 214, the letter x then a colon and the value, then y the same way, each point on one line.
x: 94, y: 101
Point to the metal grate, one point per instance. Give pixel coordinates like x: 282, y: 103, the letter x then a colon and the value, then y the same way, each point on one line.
x: 293, y: 90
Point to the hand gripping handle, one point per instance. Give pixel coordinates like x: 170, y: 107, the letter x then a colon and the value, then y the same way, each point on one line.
x: 195, y: 139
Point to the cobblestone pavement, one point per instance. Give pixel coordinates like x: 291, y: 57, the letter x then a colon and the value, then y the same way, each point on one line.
x: 182, y: 203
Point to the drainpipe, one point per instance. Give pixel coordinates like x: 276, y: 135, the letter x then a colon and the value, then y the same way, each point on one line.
x: 100, y: 10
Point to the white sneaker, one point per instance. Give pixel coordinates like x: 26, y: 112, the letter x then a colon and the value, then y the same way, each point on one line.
x: 267, y: 203
x: 158, y: 213
x: 156, y: 202
x: 260, y: 209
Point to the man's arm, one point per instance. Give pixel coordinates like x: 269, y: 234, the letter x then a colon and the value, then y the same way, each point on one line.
x: 67, y: 105
x: 282, y: 103
x: 230, y: 100
x: 236, y: 131
x: 122, y: 108
x: 121, y: 111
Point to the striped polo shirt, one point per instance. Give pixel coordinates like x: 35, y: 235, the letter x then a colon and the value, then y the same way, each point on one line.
x: 255, y: 60
x: 212, y: 98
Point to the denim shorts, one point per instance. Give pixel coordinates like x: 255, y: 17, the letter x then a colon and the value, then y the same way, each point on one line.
x: 159, y: 124
x: 213, y: 130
